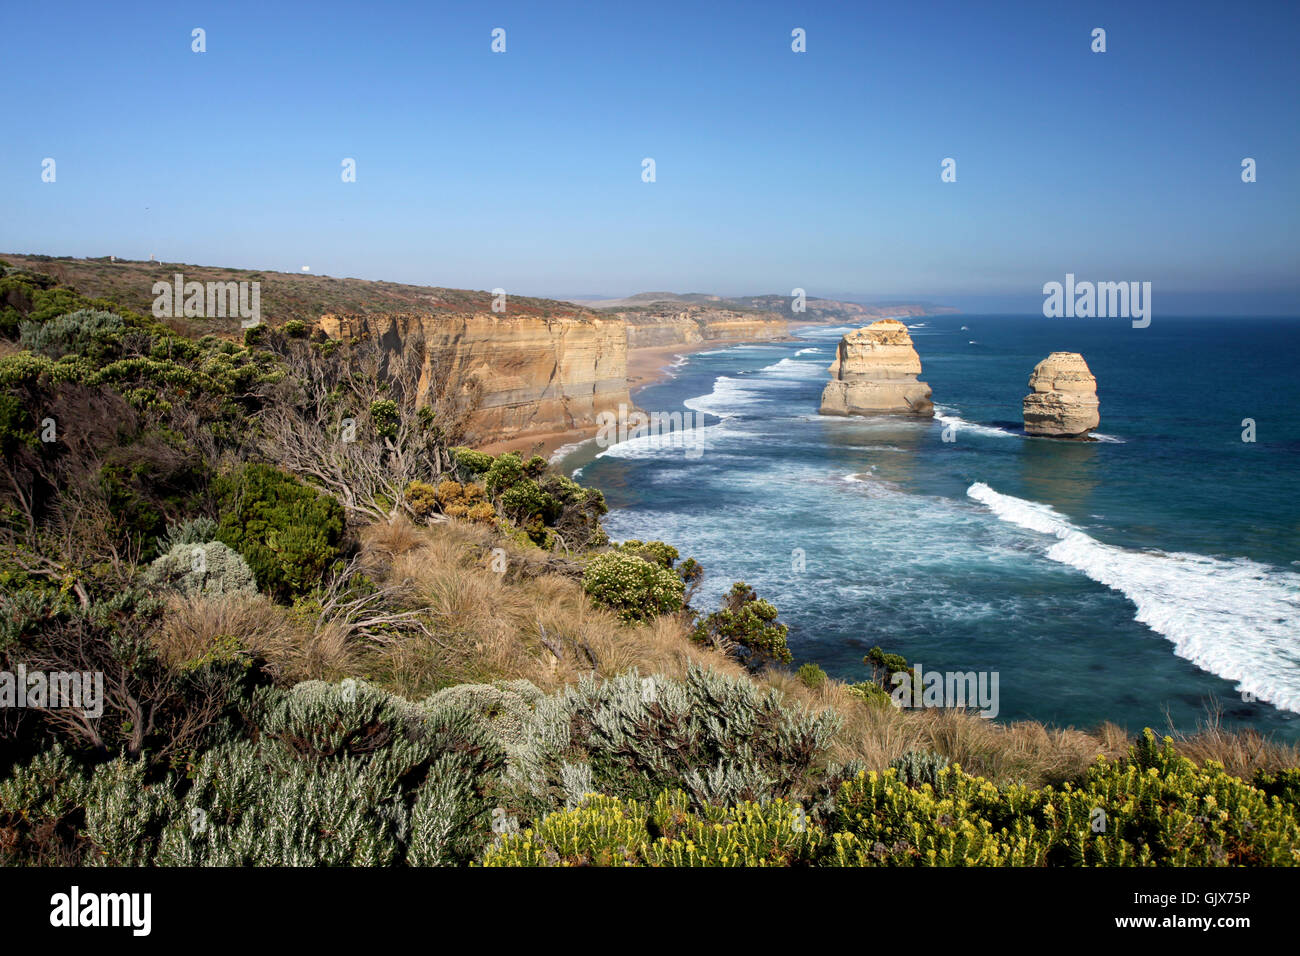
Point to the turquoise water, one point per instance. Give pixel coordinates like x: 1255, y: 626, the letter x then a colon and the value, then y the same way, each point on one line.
x: 1140, y: 578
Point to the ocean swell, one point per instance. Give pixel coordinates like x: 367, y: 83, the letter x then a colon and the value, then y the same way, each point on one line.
x: 1238, y: 619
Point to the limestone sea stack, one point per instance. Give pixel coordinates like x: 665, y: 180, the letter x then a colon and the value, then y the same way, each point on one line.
x: 1063, y: 403
x: 875, y: 372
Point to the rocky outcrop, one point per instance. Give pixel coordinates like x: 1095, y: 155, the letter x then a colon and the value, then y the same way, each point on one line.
x: 1063, y: 403
x: 875, y: 371
x: 534, y: 375
x: 675, y: 325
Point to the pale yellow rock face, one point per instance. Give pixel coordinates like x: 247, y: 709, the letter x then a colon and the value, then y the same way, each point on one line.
x: 875, y: 371
x: 696, y: 324
x: 1063, y: 403
x: 538, y: 375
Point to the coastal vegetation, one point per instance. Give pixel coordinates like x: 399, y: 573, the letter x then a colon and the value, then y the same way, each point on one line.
x: 331, y: 633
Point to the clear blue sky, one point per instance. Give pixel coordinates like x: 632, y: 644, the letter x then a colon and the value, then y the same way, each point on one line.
x: 775, y: 169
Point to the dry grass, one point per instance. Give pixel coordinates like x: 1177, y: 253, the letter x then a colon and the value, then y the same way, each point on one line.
x: 530, y: 621
x: 292, y: 651
x: 1241, y: 752
x: 533, y: 621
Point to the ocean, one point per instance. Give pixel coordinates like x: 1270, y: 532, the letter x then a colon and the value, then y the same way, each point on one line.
x: 1146, y: 578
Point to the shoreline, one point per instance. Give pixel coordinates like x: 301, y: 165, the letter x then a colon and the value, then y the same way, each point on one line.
x: 646, y: 366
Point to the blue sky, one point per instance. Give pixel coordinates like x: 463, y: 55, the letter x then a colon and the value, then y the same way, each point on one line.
x: 819, y: 170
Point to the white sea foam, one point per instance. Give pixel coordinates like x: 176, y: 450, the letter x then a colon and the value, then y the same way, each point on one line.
x: 1235, y: 618
x: 691, y: 443
x: 949, y: 417
x: 791, y: 368
x: 733, y: 394
x: 808, y: 351
x: 565, y: 450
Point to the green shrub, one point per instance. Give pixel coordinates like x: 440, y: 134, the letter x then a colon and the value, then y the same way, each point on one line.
x: 720, y: 739
x: 473, y: 462
x: 191, y: 531
x: 503, y: 473
x: 656, y: 552
x: 746, y: 626
x: 606, y: 831
x: 884, y: 665
x: 917, y: 767
x: 632, y: 587
x: 289, y: 533
x: 525, y: 499
x: 77, y: 332
x: 810, y: 675
x: 295, y: 329
x: 210, y: 568
x: 146, y: 481
x: 385, y: 417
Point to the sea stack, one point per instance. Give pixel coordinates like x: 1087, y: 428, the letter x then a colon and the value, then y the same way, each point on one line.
x: 875, y: 372
x: 1063, y: 403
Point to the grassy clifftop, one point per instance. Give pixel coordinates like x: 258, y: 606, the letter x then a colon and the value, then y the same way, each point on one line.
x: 285, y: 295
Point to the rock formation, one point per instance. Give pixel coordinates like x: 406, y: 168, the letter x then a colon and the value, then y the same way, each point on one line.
x: 1063, y: 403
x: 663, y: 325
x: 875, y: 371
x: 535, y: 375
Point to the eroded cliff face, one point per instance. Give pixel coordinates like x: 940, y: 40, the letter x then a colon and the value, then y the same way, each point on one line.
x: 875, y: 371
x: 695, y: 324
x: 1063, y: 403
x: 536, y: 375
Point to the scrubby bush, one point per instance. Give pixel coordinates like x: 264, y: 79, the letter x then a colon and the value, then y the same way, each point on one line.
x: 810, y: 675
x: 452, y: 498
x: 917, y: 767
x: 606, y: 831
x: 472, y: 462
x: 289, y: 533
x: 745, y: 626
x: 632, y: 587
x: 422, y: 498
x: 1154, y: 809
x: 191, y: 531
x: 74, y: 333
x: 210, y: 569
x: 384, y: 417
x: 656, y: 552
x: 504, y: 471
x: 720, y: 739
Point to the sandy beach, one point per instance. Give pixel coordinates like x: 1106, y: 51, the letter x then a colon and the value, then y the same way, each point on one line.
x: 645, y: 367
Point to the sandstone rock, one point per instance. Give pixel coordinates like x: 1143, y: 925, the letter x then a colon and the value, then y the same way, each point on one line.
x: 875, y: 371
x: 668, y: 324
x: 537, y: 375
x: 1063, y: 403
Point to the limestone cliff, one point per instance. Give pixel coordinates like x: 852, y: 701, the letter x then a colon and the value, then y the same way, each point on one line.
x: 538, y: 375
x: 875, y: 370
x: 676, y: 325
x: 1063, y: 403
